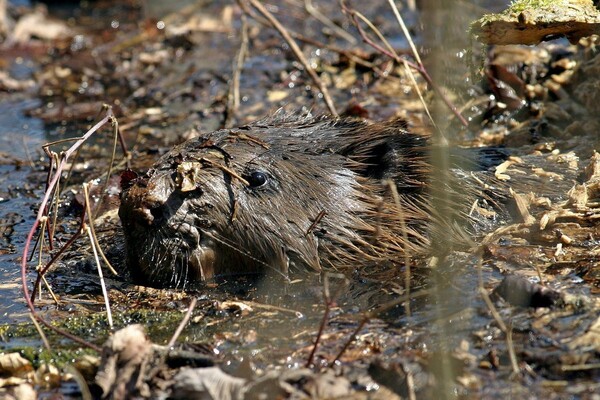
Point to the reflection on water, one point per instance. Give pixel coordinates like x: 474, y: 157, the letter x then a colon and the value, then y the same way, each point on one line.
x: 20, y: 136
x: 20, y: 140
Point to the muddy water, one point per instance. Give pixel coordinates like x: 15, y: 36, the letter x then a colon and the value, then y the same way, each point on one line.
x: 20, y: 141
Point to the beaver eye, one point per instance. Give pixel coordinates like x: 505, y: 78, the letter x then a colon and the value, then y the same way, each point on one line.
x: 256, y: 178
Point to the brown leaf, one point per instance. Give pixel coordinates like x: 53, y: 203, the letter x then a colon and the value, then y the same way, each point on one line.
x: 206, y: 383
x: 13, y: 364
x: 122, y: 357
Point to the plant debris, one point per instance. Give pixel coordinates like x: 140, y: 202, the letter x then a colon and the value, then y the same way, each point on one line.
x: 531, y: 22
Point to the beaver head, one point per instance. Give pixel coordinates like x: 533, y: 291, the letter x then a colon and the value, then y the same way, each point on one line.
x: 274, y: 197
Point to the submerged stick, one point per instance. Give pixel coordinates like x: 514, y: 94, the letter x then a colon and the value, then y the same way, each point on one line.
x: 367, y: 316
x: 183, y: 323
x: 328, y: 303
x: 233, y: 97
x: 313, y: 11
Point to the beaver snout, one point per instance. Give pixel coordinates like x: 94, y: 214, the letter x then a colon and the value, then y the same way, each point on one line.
x: 143, y: 216
x: 150, y: 214
x: 150, y: 204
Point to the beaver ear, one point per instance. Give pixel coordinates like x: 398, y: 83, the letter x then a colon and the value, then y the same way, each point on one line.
x: 384, y: 159
x: 391, y: 155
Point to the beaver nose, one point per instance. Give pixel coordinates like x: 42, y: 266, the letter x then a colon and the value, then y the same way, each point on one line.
x: 143, y: 215
x: 150, y: 213
x: 148, y: 204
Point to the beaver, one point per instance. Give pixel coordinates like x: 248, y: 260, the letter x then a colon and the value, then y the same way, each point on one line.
x: 281, y: 196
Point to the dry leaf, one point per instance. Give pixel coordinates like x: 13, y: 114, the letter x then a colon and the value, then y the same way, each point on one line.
x: 207, y: 383
x: 277, y: 95
x: 589, y: 339
x: 38, y: 25
x: 19, y: 391
x: 13, y: 364
x: 122, y: 357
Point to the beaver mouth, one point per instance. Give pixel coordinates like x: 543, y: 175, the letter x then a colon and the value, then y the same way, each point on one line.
x: 172, y: 255
x: 189, y: 235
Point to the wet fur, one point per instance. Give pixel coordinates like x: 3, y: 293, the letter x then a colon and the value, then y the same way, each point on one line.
x: 177, y: 234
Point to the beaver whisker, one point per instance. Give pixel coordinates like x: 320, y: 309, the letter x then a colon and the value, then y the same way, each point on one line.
x: 178, y: 259
x: 164, y: 254
x: 185, y: 269
x: 247, y: 254
x: 154, y: 255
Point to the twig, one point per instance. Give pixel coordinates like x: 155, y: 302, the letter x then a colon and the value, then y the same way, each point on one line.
x: 126, y: 153
x: 492, y: 309
x: 40, y: 241
x: 511, y: 351
x: 422, y: 70
x: 328, y: 303
x: 78, y: 377
x: 486, y: 298
x: 58, y: 254
x: 318, y: 219
x: 55, y: 204
x: 579, y: 367
x: 115, y: 125
x: 49, y: 190
x: 183, y: 323
x: 50, y: 153
x: 49, y: 288
x: 392, y: 54
x: 416, y: 86
x: 271, y: 307
x: 405, y: 31
x: 40, y: 257
x: 224, y: 169
x: 94, y: 238
x: 371, y: 314
x: 298, y: 53
x: 309, y: 361
x: 94, y: 243
x: 410, y: 383
x: 351, y: 339
x: 41, y: 332
x: 484, y: 293
x: 53, y: 157
x: 353, y: 55
x: 405, y: 249
x: 233, y: 97
x: 310, y: 8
